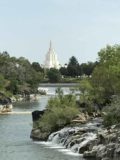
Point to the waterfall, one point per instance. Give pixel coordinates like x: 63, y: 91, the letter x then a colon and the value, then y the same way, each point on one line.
x: 76, y: 139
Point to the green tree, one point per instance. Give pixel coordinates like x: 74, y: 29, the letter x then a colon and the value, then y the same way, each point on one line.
x: 112, y: 116
x: 106, y: 76
x: 3, y: 83
x: 73, y: 67
x: 63, y: 71
x: 54, y: 75
x: 87, y: 68
x: 19, y: 74
x: 36, y: 66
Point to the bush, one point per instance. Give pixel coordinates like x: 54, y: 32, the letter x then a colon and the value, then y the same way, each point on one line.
x: 60, y: 111
x: 112, y: 113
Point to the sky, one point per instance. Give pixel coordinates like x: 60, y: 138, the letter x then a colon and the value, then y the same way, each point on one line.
x: 77, y: 28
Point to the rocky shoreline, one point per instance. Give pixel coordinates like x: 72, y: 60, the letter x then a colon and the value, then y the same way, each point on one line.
x: 106, y: 145
x: 5, y: 104
x: 91, y: 138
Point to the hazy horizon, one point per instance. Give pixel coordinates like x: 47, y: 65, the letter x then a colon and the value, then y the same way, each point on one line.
x: 77, y: 28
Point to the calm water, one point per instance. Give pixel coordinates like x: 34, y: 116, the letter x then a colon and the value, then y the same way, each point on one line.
x: 15, y: 143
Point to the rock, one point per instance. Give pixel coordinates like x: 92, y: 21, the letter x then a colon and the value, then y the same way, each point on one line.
x: 117, y: 151
x: 101, y: 139
x: 84, y: 148
x: 88, y: 146
x: 6, y: 108
x: 81, y: 118
x: 5, y: 103
x: 90, y: 154
x: 106, y: 158
x: 36, y: 115
x: 110, y: 148
x: 36, y: 134
x: 101, y: 151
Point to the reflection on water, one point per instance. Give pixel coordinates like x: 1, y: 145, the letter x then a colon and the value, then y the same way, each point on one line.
x: 15, y: 142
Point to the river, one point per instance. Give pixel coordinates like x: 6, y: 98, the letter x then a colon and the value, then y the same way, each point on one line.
x: 15, y: 142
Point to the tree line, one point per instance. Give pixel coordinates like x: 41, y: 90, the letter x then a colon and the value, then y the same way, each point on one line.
x: 71, y: 70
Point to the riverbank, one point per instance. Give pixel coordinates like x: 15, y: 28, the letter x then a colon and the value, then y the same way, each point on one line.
x: 7, y: 103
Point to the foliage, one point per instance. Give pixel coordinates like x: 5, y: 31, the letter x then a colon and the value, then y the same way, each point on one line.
x: 64, y: 71
x: 60, y: 111
x: 36, y: 66
x: 112, y: 113
x: 74, y: 69
x: 54, y: 75
x: 3, y: 83
x: 85, y: 98
x: 87, y: 68
x: 18, y: 74
x: 106, y: 76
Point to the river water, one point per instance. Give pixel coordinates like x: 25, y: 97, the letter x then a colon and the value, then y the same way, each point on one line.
x: 15, y: 142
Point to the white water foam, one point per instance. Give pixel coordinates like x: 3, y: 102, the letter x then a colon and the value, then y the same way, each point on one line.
x: 59, y: 148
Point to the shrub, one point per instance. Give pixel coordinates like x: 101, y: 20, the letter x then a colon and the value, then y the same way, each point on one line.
x: 60, y: 111
x: 112, y: 113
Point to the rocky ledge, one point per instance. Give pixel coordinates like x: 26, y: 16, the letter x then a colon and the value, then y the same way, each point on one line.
x: 91, y: 138
x: 106, y: 145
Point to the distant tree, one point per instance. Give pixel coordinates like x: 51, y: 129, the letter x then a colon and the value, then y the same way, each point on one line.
x: 87, y: 68
x: 73, y: 61
x: 73, y: 67
x: 63, y: 71
x: 54, y: 75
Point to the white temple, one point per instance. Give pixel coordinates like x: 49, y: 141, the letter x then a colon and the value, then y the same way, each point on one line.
x: 51, y: 60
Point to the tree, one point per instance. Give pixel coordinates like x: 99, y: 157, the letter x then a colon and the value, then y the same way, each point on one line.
x: 3, y: 83
x: 63, y: 71
x: 36, y: 66
x: 17, y: 73
x: 73, y: 61
x: 54, y: 75
x: 87, y: 68
x: 106, y: 76
x: 73, y: 67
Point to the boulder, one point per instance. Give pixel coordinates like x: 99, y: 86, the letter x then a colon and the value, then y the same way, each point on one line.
x: 37, y: 134
x: 90, y: 154
x: 36, y: 115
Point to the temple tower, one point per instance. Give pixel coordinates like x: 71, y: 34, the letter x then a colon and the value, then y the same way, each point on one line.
x: 51, y: 60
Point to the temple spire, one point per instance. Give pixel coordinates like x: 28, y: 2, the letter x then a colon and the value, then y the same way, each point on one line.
x: 51, y: 60
x: 50, y: 44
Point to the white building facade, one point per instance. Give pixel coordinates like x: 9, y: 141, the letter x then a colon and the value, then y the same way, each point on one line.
x: 51, y: 60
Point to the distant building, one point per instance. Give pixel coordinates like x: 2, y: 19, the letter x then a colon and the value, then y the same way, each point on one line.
x: 51, y: 60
